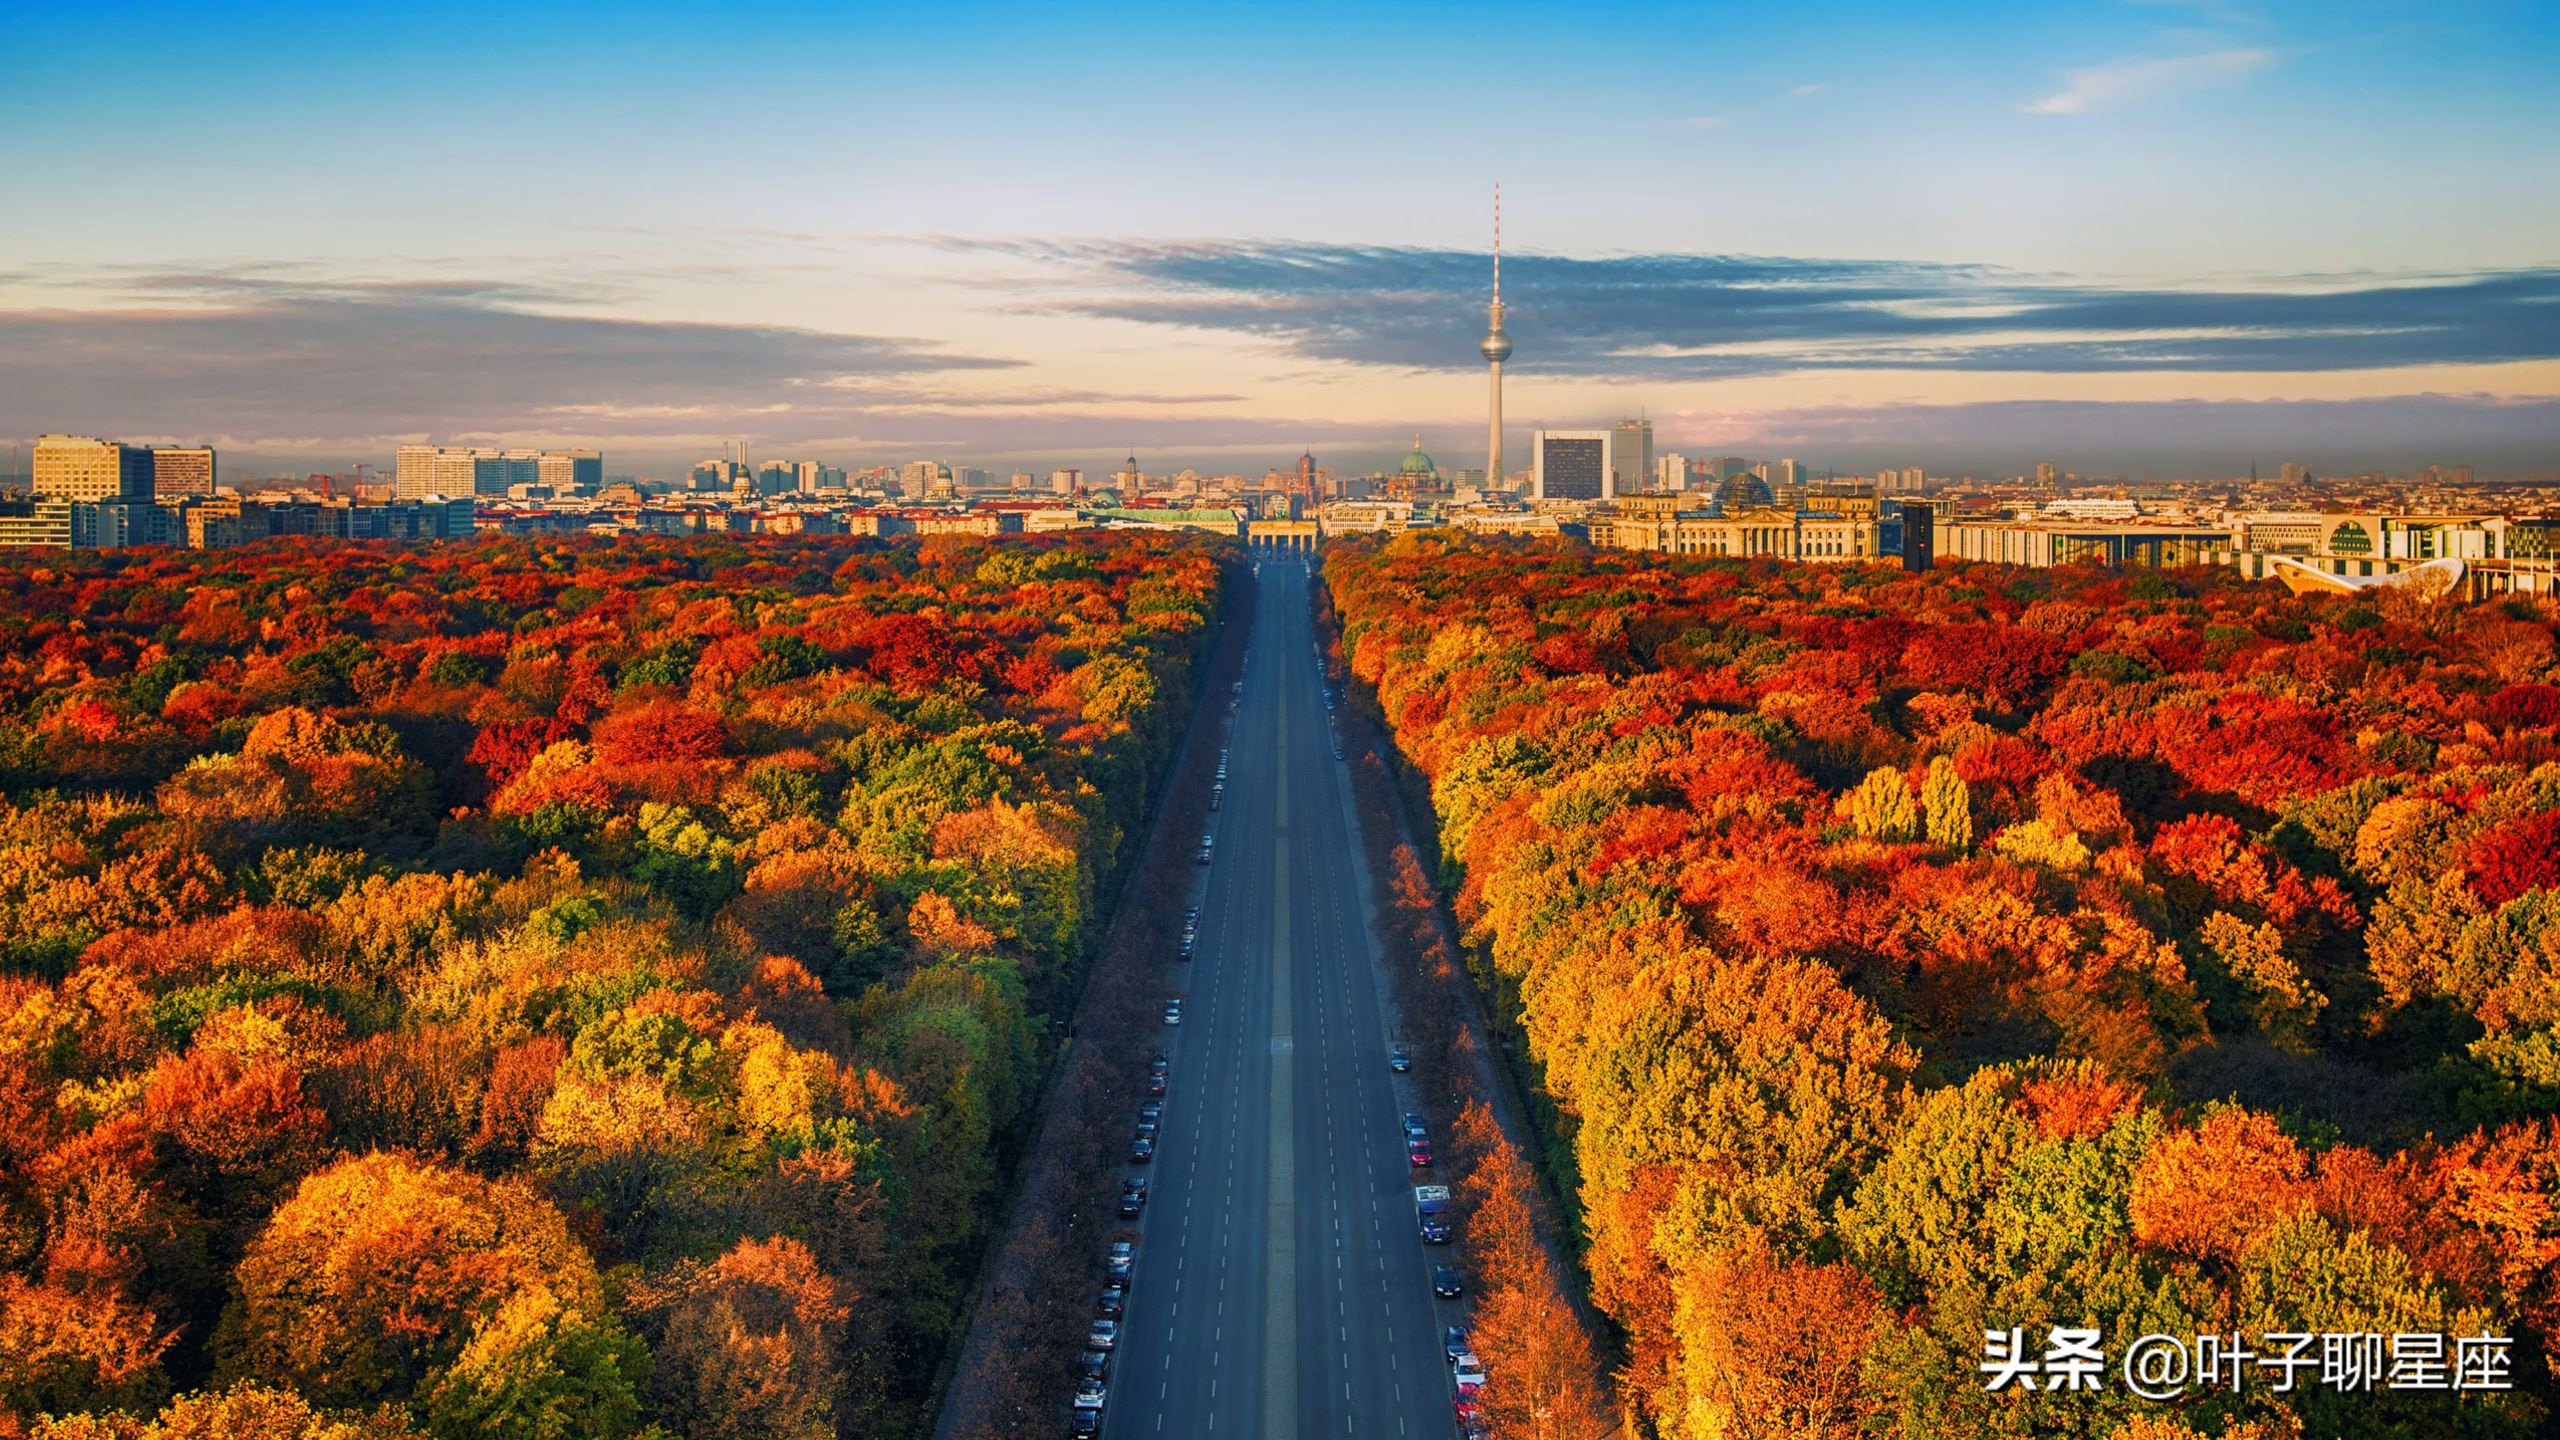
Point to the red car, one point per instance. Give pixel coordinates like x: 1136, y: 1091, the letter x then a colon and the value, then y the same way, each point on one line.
x: 1418, y: 1152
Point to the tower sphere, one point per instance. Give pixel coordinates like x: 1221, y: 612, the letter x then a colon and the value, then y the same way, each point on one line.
x: 1497, y: 346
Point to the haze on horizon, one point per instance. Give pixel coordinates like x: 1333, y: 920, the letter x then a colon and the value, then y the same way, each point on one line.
x: 2150, y: 236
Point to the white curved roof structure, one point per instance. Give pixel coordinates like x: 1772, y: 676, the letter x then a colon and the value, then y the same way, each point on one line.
x: 2435, y: 580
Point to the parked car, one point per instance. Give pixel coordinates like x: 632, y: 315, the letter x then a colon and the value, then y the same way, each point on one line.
x: 1113, y: 1302
x: 1103, y: 1335
x: 1133, y: 1197
x: 1445, y: 1282
x: 1155, y: 1084
x: 1117, y: 1260
x: 1096, y: 1365
x: 1142, y: 1151
x: 1414, y: 1128
x: 1455, y: 1343
x: 1417, y: 1153
x: 1089, y: 1395
x: 1399, y: 1061
x: 1173, y: 1011
x: 1085, y: 1422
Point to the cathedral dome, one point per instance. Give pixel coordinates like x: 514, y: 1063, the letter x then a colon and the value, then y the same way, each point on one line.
x: 1417, y: 463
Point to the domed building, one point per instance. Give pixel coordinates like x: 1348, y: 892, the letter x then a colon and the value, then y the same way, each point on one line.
x: 1416, y: 473
x: 1745, y: 491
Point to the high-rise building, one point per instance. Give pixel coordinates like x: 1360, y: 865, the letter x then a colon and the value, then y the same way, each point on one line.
x: 83, y: 467
x: 569, y: 472
x: 1785, y: 472
x: 1306, y: 474
x: 455, y: 471
x: 1725, y: 467
x: 1631, y: 450
x: 1570, y: 465
x: 1066, y: 482
x: 1496, y: 349
x: 2047, y: 472
x: 1671, y: 472
x: 182, y: 470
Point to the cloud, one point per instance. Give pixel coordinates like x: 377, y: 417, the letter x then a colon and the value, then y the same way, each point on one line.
x: 2209, y: 9
x: 244, y: 353
x: 2175, y: 438
x: 1716, y: 316
x: 1809, y: 88
x: 2119, y: 81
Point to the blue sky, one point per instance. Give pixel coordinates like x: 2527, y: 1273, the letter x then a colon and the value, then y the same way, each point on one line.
x: 1009, y: 233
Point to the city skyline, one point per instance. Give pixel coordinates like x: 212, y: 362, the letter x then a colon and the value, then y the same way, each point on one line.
x: 2152, y: 238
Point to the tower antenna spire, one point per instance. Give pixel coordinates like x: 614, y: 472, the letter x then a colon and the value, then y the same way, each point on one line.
x: 1495, y: 349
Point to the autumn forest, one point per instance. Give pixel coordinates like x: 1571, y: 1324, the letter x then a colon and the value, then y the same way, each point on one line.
x: 1907, y: 957
x: 581, y: 987
x: 532, y: 989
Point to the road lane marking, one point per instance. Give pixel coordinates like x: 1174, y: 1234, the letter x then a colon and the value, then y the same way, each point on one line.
x: 1280, y: 1225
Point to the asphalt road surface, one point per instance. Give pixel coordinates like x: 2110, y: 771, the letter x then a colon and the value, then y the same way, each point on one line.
x: 1280, y: 1289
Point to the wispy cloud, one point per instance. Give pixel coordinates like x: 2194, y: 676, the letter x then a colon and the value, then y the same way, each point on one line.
x: 1710, y: 316
x: 223, y: 352
x: 2120, y: 81
x: 1810, y: 87
x: 2212, y: 10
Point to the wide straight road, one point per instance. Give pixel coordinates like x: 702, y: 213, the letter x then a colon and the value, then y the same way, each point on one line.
x: 1280, y: 1289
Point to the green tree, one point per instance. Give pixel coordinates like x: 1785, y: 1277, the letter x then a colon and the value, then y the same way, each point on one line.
x: 540, y: 1370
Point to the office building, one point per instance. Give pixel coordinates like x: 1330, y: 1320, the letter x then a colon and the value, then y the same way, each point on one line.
x: 1631, y: 452
x: 1671, y: 472
x: 452, y: 471
x: 41, y: 523
x: 1066, y: 482
x: 181, y: 470
x: 1570, y: 465
x: 1783, y: 473
x: 569, y: 472
x: 83, y: 467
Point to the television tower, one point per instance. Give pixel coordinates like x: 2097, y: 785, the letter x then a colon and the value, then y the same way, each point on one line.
x: 1496, y: 348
